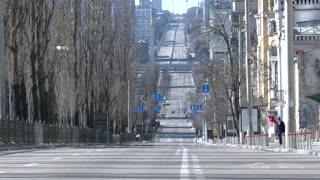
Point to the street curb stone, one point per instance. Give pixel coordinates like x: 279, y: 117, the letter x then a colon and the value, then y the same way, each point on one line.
x: 238, y: 146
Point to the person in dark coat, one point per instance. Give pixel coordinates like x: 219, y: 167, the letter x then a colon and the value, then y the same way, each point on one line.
x: 281, y: 128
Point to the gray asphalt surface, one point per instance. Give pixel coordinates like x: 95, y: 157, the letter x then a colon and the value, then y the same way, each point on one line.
x: 157, y: 161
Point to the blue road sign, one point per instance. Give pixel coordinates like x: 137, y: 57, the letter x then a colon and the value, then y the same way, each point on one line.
x: 139, y: 108
x: 192, y: 107
x: 157, y: 107
x: 157, y: 97
x: 199, y: 106
x: 205, y: 88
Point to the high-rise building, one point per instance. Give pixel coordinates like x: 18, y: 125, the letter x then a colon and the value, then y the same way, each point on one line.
x: 157, y: 4
x: 144, y: 3
x: 144, y: 26
x: 143, y: 23
x: 216, y: 12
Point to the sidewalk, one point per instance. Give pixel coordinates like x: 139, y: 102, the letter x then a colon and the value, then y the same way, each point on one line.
x: 275, y: 147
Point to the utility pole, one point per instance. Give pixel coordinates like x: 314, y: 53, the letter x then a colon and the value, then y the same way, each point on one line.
x: 248, y: 70
x: 152, y: 37
x: 128, y: 106
x: 240, y: 67
x: 205, y: 122
x: 2, y: 72
x: 289, y: 109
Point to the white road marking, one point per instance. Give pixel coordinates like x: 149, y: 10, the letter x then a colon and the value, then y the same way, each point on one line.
x: 76, y: 154
x: 57, y: 158
x: 100, y: 150
x: 184, y: 173
x: 32, y: 164
x: 1, y: 172
x: 177, y: 152
x: 196, y: 167
x: 284, y: 167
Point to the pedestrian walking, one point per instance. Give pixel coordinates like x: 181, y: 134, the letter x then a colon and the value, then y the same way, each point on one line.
x: 281, y: 128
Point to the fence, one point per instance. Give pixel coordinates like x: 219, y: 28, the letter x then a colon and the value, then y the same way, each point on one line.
x: 301, y: 140
x: 227, y: 140
x: 24, y: 132
x: 258, y: 140
x: 298, y: 140
x: 315, y: 130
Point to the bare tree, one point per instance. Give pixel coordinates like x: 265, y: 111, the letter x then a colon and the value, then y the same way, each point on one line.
x: 224, y: 73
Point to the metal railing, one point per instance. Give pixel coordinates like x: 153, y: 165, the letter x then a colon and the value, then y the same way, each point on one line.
x: 258, y: 140
x: 298, y: 140
x: 315, y: 132
x: 25, y: 132
x: 301, y: 140
x: 227, y: 140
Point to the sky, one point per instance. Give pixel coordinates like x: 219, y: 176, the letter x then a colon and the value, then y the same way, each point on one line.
x: 179, y: 6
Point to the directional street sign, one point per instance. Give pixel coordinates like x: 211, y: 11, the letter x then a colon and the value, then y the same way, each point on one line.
x: 157, y: 107
x: 139, y: 108
x: 157, y: 97
x: 193, y: 107
x: 205, y: 88
x: 199, y: 106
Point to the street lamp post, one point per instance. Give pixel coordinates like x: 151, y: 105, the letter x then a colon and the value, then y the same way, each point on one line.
x: 240, y: 67
x: 2, y: 73
x: 289, y: 114
x: 128, y: 105
x: 248, y: 70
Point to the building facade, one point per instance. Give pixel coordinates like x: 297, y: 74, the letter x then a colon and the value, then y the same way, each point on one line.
x: 143, y: 23
x: 271, y: 60
x: 157, y: 5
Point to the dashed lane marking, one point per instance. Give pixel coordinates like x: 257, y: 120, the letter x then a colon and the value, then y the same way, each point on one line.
x: 57, y: 158
x: 196, y: 167
x: 184, y: 173
x: 32, y: 164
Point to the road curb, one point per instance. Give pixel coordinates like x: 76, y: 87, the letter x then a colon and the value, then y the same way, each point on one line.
x: 279, y: 150
x: 50, y: 146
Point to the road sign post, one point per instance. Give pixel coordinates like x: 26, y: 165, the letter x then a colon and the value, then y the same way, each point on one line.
x: 206, y: 88
x: 157, y: 97
x: 157, y: 107
x: 140, y: 108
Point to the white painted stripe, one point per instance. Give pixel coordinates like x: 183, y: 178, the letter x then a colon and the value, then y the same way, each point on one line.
x: 184, y: 173
x: 32, y: 164
x: 75, y: 154
x: 177, y: 152
x: 197, y: 168
x: 284, y: 167
x: 1, y: 172
x: 57, y: 158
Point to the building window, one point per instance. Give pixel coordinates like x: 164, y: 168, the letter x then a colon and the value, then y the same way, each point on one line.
x: 272, y: 27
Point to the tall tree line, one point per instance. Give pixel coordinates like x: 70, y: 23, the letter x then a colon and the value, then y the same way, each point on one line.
x: 67, y: 60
